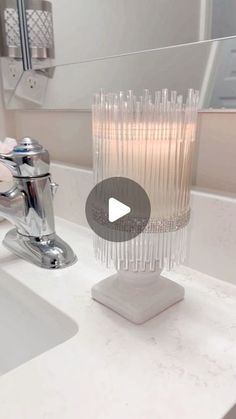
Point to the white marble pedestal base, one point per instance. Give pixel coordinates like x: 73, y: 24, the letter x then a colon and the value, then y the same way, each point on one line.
x: 137, y: 296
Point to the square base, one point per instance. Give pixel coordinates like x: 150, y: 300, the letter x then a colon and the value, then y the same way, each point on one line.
x: 137, y: 301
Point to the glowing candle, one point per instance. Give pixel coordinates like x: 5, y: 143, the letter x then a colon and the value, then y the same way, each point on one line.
x: 150, y: 143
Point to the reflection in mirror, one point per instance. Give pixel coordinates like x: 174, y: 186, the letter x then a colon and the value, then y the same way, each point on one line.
x: 11, y: 71
x: 39, y: 18
x: 10, y: 47
x: 85, y: 30
x: 209, y: 67
x: 30, y: 90
x: 20, y: 44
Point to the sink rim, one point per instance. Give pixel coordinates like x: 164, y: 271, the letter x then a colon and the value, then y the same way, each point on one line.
x: 34, y: 308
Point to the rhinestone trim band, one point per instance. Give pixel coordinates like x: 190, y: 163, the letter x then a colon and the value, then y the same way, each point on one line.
x: 167, y: 225
x: 164, y: 225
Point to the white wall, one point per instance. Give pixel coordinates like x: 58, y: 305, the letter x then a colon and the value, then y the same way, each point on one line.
x: 67, y: 135
x: 7, y: 121
x: 73, y: 86
x: 223, y: 18
x: 97, y: 28
x: 216, y: 151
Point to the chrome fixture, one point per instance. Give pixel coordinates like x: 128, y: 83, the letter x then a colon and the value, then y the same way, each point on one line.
x: 27, y: 30
x: 29, y: 206
x: 40, y: 28
x: 10, y: 31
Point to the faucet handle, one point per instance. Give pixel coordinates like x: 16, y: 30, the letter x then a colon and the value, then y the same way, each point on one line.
x: 27, y: 159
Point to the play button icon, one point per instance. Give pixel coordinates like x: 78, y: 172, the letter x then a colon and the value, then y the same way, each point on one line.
x: 118, y: 209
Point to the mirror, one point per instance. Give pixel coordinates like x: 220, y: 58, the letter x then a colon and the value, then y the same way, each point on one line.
x: 209, y: 67
x: 101, y: 28
x: 116, y: 45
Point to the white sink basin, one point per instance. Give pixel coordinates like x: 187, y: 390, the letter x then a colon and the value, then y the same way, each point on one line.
x: 29, y: 325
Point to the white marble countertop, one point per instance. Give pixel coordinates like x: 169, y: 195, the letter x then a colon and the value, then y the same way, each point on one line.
x: 180, y: 365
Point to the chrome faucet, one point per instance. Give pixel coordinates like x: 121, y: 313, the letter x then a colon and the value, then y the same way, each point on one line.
x: 29, y: 206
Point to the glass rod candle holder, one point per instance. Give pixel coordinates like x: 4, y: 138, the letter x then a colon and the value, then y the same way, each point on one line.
x: 149, y: 140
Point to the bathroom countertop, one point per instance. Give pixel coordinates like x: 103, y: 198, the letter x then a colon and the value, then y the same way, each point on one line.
x: 180, y: 365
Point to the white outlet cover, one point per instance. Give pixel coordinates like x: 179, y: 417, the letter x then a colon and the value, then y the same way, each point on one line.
x: 32, y: 87
x: 11, y: 73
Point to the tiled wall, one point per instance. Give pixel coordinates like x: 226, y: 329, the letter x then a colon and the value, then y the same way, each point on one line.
x: 68, y: 137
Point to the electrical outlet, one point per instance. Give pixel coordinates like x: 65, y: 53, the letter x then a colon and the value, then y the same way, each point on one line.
x: 32, y: 87
x: 11, y: 72
x: 32, y: 82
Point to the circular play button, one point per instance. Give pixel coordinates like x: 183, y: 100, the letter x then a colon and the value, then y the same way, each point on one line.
x: 118, y: 209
